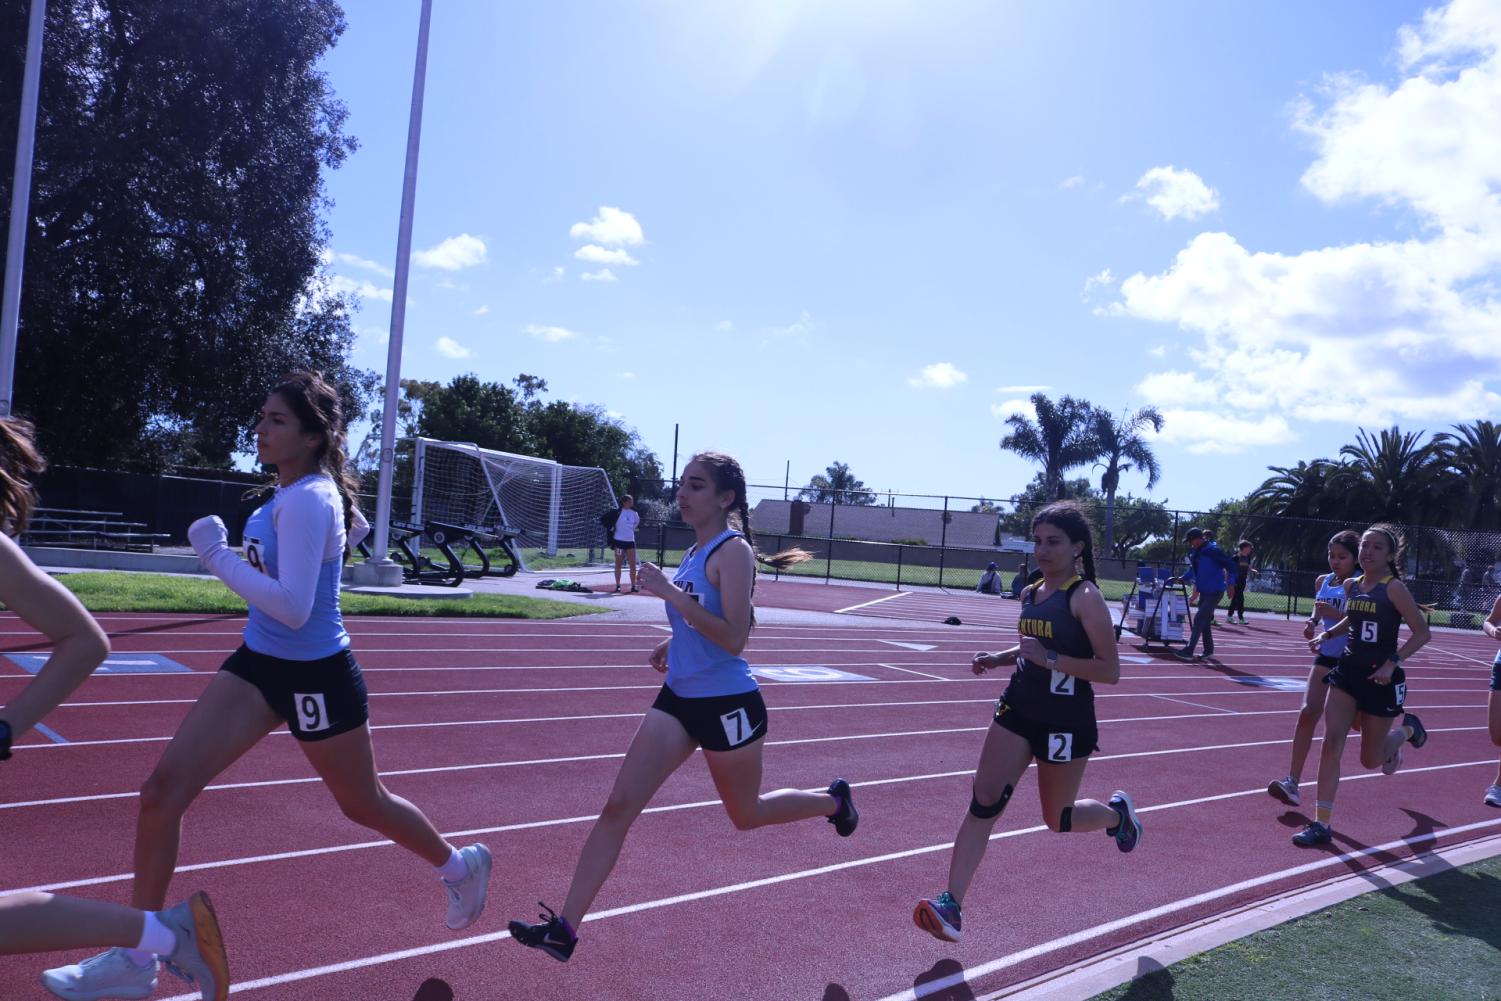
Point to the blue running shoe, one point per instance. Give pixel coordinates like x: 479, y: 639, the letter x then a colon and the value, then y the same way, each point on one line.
x: 1127, y: 831
x: 940, y: 918
x: 552, y: 935
x: 846, y: 818
x: 1314, y: 834
x: 1419, y: 731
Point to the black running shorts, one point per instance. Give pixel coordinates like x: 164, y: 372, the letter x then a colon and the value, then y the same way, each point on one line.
x: 1496, y: 676
x: 1325, y: 661
x: 1354, y: 679
x: 719, y: 722
x: 1050, y: 744
x: 318, y: 698
x: 622, y: 545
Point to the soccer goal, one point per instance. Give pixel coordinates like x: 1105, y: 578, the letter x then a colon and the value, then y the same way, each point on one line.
x: 555, y: 508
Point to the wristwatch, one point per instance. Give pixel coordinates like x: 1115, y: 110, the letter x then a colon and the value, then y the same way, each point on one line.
x: 4, y: 740
x: 1396, y: 658
x: 1052, y: 659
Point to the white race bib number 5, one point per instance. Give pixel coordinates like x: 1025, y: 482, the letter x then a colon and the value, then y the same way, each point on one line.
x: 1368, y: 631
x: 312, y: 713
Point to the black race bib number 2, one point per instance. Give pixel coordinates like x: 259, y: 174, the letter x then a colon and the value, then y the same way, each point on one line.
x: 312, y: 713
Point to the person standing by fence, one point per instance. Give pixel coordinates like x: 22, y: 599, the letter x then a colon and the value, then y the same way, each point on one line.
x: 1245, y: 569
x: 623, y: 540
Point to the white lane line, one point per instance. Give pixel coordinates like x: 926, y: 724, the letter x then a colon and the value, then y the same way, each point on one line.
x: 1140, y: 917
x: 934, y: 986
x: 867, y: 604
x: 919, y: 673
x: 1196, y: 705
x: 919, y: 647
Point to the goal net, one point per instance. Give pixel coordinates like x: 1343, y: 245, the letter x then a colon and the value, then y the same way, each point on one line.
x: 554, y: 507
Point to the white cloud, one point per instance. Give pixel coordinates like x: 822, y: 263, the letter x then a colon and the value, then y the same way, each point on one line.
x: 1396, y: 330
x: 1202, y: 431
x: 453, y: 254
x: 797, y: 328
x: 481, y: 311
x: 362, y: 262
x: 628, y: 375
x: 602, y: 275
x: 595, y: 254
x: 1006, y: 408
x: 451, y: 348
x: 552, y: 335
x: 724, y: 326
x: 1069, y: 183
x: 1022, y: 390
x: 1103, y: 280
x: 612, y: 227
x: 1177, y: 193
x: 940, y: 375
x: 361, y: 287
x: 556, y: 275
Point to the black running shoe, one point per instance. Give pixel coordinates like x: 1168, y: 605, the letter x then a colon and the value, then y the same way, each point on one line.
x: 846, y: 818
x: 552, y: 935
x: 1419, y: 731
x: 1127, y: 830
x: 1314, y: 834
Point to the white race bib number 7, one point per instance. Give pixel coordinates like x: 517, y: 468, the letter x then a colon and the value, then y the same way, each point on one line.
x: 737, y: 727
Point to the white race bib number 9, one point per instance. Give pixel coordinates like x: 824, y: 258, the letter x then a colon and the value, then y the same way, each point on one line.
x: 253, y: 553
x: 312, y: 713
x: 1060, y: 747
x: 737, y: 727
x: 1063, y: 684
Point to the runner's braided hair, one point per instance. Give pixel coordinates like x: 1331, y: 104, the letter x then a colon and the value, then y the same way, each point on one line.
x: 730, y: 478
x: 20, y: 463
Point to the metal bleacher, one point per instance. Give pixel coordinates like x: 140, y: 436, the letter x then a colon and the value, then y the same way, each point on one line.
x: 61, y: 528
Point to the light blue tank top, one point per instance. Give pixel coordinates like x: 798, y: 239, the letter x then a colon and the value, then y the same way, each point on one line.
x: 697, y: 667
x: 322, y: 635
x: 1334, y: 593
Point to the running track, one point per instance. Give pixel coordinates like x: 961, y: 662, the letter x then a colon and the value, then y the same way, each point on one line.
x: 511, y: 732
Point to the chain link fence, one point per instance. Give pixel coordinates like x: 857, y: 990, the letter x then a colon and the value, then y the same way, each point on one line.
x: 947, y: 541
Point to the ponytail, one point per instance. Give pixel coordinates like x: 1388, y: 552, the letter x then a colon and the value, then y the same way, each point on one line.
x: 20, y: 462
x: 777, y: 561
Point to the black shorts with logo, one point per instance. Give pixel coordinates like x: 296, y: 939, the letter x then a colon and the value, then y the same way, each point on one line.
x: 319, y: 699
x: 1354, y: 679
x: 719, y: 722
x: 1051, y: 744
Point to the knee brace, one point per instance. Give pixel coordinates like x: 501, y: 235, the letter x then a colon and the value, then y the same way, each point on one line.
x: 1066, y: 820
x: 978, y: 809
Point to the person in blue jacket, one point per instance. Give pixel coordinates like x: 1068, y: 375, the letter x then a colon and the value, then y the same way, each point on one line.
x: 1207, y: 566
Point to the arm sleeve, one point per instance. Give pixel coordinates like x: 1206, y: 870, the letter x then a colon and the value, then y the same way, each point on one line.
x: 302, y: 525
x: 359, y: 527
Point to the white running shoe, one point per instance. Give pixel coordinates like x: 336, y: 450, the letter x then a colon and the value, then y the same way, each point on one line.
x: 1286, y: 790
x: 1391, y: 764
x: 466, y: 898
x: 199, y: 957
x: 110, y: 974
x: 1493, y: 796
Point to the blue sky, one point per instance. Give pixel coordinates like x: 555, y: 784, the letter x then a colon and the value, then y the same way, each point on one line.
x: 860, y: 231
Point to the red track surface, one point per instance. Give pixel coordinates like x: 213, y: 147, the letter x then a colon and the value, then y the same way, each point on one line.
x: 511, y: 732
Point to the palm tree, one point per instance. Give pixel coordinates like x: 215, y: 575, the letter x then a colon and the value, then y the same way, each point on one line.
x: 1060, y: 440
x: 1301, y: 512
x: 1123, y: 447
x: 1392, y: 476
x: 1474, y: 453
x: 836, y: 485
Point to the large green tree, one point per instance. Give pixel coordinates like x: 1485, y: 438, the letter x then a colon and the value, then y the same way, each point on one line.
x: 1062, y: 438
x: 837, y: 485
x: 1473, y: 454
x: 172, y: 259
